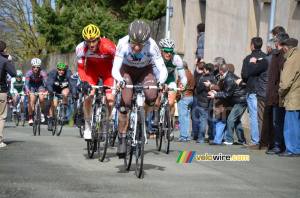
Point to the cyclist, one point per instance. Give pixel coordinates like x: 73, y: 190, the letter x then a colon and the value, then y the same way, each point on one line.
x: 59, y: 81
x: 94, y: 58
x: 133, y: 64
x: 17, y: 87
x: 172, y: 62
x: 35, y: 81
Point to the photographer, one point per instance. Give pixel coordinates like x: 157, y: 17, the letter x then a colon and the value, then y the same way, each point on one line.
x: 6, y: 66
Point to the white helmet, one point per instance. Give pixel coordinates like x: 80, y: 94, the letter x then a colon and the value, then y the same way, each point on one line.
x: 166, y: 43
x: 19, y: 73
x: 36, y: 62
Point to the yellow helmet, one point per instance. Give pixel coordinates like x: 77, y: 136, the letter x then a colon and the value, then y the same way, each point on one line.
x: 90, y: 32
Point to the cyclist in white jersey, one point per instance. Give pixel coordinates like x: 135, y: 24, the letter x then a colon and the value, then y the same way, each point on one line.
x: 133, y: 64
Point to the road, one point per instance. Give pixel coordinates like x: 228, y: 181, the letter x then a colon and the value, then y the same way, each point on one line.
x: 51, y: 166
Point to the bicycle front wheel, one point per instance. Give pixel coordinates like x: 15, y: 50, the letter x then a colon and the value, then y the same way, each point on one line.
x: 166, y: 126
x: 129, y: 152
x: 139, y: 149
x: 35, y: 122
x: 103, y: 133
x: 38, y: 119
x: 60, y: 122
x: 16, y: 118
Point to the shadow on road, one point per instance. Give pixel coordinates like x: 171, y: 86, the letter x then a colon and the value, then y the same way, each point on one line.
x: 13, y: 142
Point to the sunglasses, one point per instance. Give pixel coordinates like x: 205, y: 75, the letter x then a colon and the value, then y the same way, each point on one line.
x: 61, y: 69
x: 35, y: 66
x: 167, y: 51
x: 136, y: 43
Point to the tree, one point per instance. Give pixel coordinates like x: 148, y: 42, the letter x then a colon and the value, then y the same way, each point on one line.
x: 63, y: 25
x: 18, y: 16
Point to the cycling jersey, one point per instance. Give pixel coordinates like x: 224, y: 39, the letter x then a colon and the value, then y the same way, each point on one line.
x: 96, y: 64
x: 17, y: 86
x: 56, y: 83
x: 150, y: 53
x: 35, y: 82
x: 175, y: 63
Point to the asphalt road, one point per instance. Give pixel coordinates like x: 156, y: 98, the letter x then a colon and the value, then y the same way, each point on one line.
x: 51, y: 166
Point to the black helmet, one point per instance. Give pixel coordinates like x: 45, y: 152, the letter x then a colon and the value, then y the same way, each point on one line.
x: 139, y: 31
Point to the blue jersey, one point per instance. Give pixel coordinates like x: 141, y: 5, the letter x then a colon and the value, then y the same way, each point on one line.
x: 32, y: 79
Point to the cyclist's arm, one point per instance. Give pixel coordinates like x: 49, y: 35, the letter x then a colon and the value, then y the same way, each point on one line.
x: 50, y: 82
x: 27, y: 78
x: 80, y: 54
x: 44, y: 75
x: 115, y: 72
x: 12, y: 85
x: 163, y: 72
x: 179, y: 64
x: 72, y: 82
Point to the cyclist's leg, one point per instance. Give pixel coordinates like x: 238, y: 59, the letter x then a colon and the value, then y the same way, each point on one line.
x: 171, y: 98
x: 108, y: 80
x: 41, y: 89
x: 15, y: 101
x: 147, y: 78
x: 125, y: 104
x: 31, y: 105
x: 51, y: 112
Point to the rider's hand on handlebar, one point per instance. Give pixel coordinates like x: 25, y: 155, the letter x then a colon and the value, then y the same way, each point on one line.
x: 182, y: 88
x: 86, y: 88
x: 120, y: 85
x: 162, y: 86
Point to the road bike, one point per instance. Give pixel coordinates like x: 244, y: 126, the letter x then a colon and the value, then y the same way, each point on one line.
x: 37, y: 113
x: 20, y: 112
x: 136, y: 132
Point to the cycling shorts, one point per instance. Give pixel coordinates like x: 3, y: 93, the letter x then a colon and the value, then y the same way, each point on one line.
x: 36, y: 88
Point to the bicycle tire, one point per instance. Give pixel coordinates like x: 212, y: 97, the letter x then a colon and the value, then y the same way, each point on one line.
x: 81, y: 130
x: 16, y: 118
x: 54, y: 121
x: 167, y: 129
x: 60, y: 120
x: 34, y: 121
x: 39, y: 120
x: 91, y: 144
x: 139, y: 149
x: 22, y: 113
x: 91, y: 147
x: 159, y: 136
x: 129, y: 152
x: 103, y: 133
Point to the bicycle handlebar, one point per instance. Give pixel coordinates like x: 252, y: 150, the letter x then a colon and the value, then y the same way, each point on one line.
x: 105, y: 87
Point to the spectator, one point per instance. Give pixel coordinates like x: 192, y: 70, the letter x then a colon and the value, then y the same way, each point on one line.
x: 195, y: 113
x: 276, y: 30
x: 289, y: 92
x: 218, y: 61
x: 222, y: 109
x: 203, y: 101
x: 237, y: 96
x: 260, y: 68
x: 185, y: 104
x: 255, y: 46
x: 200, y: 43
x: 272, y: 98
x: 6, y: 67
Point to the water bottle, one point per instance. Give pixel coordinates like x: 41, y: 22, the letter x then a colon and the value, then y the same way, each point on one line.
x: 113, y: 113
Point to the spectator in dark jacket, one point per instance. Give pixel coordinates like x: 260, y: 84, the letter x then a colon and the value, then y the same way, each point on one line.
x: 218, y: 61
x: 237, y: 96
x: 251, y: 80
x: 260, y: 68
x: 195, y: 113
x: 6, y: 67
x: 272, y: 98
x: 202, y: 101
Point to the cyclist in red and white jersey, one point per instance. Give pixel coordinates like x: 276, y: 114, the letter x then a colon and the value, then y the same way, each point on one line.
x: 95, y: 56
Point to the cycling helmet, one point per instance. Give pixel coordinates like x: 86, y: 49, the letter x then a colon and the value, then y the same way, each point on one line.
x: 19, y: 73
x: 167, y: 44
x: 139, y: 32
x: 61, y: 65
x: 90, y: 32
x: 36, y: 62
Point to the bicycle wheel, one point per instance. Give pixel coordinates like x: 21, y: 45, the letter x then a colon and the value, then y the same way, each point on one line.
x: 103, y: 133
x: 16, y: 118
x: 139, y: 149
x: 35, y: 123
x: 81, y: 130
x: 166, y: 126
x: 92, y: 144
x: 129, y: 152
x: 60, y: 120
x: 23, y: 118
x: 38, y: 116
x: 54, y: 121
x: 159, y: 136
